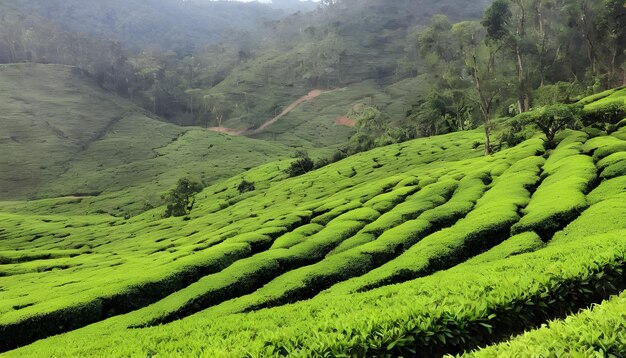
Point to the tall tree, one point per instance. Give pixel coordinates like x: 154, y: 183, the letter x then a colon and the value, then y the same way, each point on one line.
x: 484, y: 68
x: 506, y: 22
x: 611, y: 22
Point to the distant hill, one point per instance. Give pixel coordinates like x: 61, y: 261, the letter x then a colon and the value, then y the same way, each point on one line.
x: 171, y: 24
x: 370, y: 44
x: 62, y: 135
x: 262, y: 58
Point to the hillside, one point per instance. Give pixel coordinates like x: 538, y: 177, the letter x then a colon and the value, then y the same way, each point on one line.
x: 362, y: 46
x: 422, y: 248
x: 181, y: 26
x: 204, y: 62
x: 70, y: 138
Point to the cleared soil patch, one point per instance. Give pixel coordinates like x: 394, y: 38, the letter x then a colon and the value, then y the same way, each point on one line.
x: 345, y: 121
x: 229, y: 131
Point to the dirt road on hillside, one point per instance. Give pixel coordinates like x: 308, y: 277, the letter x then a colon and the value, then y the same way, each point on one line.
x: 235, y: 132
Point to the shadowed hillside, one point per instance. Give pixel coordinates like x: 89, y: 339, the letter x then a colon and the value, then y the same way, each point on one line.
x: 68, y: 137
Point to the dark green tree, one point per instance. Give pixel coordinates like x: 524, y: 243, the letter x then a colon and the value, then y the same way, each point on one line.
x: 552, y: 119
x: 301, y: 165
x: 506, y: 23
x: 611, y: 22
x: 181, y: 199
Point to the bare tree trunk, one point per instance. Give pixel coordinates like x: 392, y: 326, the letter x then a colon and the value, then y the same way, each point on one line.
x: 544, y: 41
x: 613, y: 68
x: 486, y: 124
x: 523, y: 100
x: 587, y: 36
x: 484, y: 104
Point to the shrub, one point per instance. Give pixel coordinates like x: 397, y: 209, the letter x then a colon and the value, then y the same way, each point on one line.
x: 560, y: 92
x: 296, y: 236
x: 181, y: 199
x: 561, y: 196
x: 607, y: 189
x: 555, y: 118
x: 302, y: 165
x: 338, y: 155
x: 549, y: 119
x: 613, y: 165
x: 511, y: 138
x: 245, y: 186
x: 610, y: 113
x: 515, y: 245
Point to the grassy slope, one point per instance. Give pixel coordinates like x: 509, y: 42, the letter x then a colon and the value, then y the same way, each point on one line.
x: 377, y: 213
x: 313, y: 123
x: 66, y: 137
x: 617, y: 96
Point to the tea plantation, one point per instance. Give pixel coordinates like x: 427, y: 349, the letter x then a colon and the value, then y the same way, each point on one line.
x: 424, y: 248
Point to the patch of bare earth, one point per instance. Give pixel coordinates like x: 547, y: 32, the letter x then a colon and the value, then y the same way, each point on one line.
x: 345, y: 121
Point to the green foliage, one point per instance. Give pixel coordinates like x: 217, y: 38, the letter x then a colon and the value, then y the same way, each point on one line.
x: 180, y: 200
x: 613, y: 165
x: 374, y: 129
x: 245, y: 187
x: 302, y: 165
x: 607, y: 189
x: 511, y: 137
x: 431, y: 215
x: 610, y: 113
x: 592, y: 332
x: 560, y: 92
x: 515, y: 245
x: 604, y: 146
x: 496, y: 18
x: 296, y: 236
x: 561, y: 195
x: 552, y: 119
x: 441, y: 113
x: 117, y: 158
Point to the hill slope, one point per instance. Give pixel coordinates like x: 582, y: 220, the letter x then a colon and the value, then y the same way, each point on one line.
x: 171, y: 24
x: 68, y: 137
x: 425, y: 247
x: 365, y: 46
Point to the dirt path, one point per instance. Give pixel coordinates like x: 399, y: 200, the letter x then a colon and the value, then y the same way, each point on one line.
x: 235, y: 132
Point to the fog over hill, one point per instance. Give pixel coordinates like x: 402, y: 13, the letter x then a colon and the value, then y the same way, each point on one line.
x: 171, y: 24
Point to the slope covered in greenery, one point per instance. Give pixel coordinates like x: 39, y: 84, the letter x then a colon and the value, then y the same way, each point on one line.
x: 200, y: 62
x: 67, y: 137
x: 426, y: 247
x: 364, y: 46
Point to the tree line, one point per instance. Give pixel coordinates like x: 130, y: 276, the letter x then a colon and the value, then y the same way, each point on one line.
x: 522, y: 54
